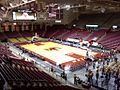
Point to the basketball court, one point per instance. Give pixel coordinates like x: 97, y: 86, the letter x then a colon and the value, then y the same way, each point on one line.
x: 57, y: 53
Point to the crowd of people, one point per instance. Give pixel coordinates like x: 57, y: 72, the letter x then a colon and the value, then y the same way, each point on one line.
x: 102, y: 71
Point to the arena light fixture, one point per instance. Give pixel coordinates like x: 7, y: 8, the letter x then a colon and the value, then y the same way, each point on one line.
x: 114, y: 26
x: 103, y: 10
x: 58, y: 21
x: 91, y: 25
x: 21, y: 4
x: 25, y: 1
x: 74, y: 25
x: 11, y: 5
x: 3, y: 8
x: 58, y: 7
x: 14, y: 23
x: 67, y: 7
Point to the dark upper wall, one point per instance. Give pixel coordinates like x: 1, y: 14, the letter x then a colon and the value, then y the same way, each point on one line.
x: 104, y: 19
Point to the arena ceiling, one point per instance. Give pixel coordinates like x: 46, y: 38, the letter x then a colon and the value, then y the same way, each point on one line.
x: 86, y: 6
x: 89, y: 6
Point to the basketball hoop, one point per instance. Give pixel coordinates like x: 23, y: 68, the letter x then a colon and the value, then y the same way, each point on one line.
x: 34, y: 38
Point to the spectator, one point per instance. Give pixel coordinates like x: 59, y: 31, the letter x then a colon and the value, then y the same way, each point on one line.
x: 116, y: 59
x: 75, y: 79
x: 78, y: 80
x: 118, y: 83
x: 87, y: 66
x: 108, y: 62
x: 51, y: 69
x: 103, y: 70
x: 97, y: 75
x: 109, y: 73
x: 93, y: 65
x: 64, y: 75
x: 117, y: 74
x: 90, y: 76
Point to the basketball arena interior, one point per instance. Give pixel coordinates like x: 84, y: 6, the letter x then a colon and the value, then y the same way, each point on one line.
x: 59, y: 44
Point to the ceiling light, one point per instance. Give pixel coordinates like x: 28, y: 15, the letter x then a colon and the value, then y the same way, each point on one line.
x: 3, y: 8
x: 67, y: 7
x: 102, y: 10
x: 11, y: 5
x: 25, y: 1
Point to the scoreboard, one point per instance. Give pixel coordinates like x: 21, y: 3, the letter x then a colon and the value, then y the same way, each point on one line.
x: 55, y: 12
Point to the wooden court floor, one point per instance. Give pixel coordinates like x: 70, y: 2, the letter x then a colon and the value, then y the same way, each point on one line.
x: 57, y: 53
